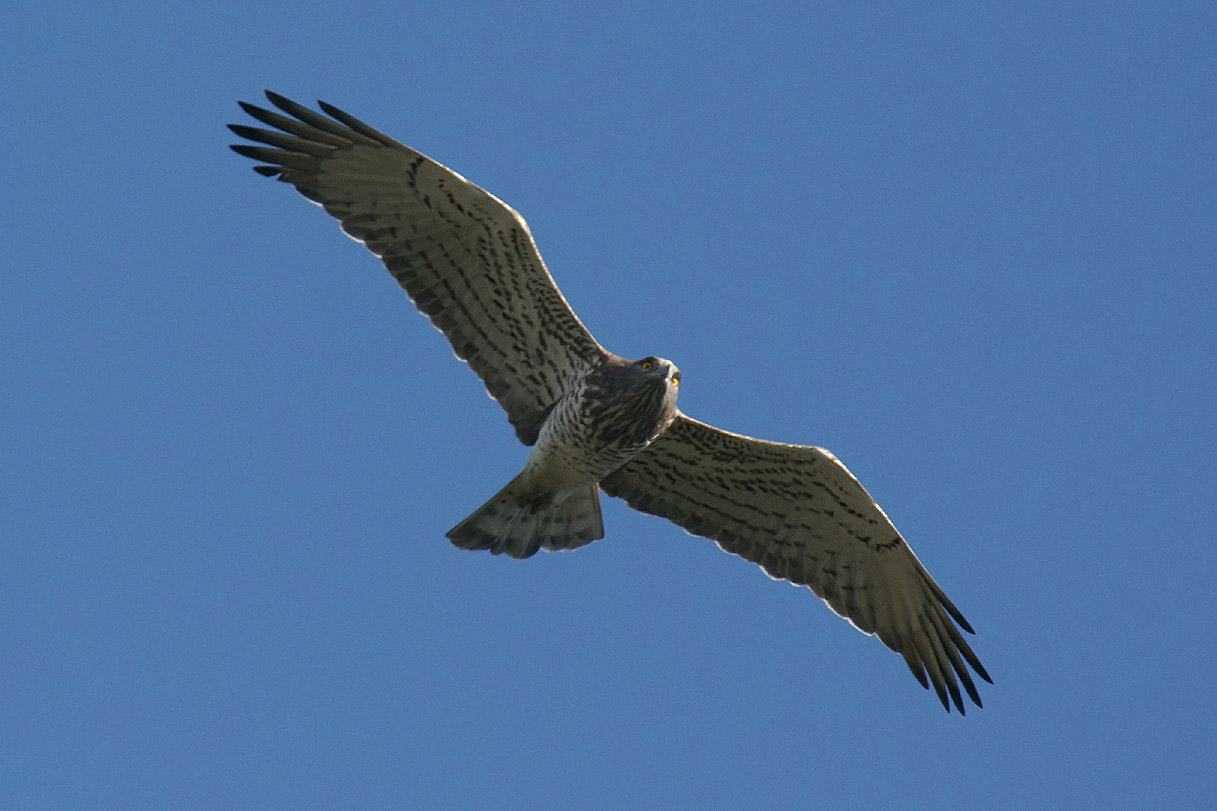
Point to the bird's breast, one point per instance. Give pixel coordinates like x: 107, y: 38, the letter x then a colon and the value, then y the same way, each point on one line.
x: 590, y: 433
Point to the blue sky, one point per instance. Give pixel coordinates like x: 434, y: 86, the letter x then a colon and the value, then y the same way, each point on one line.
x: 969, y: 247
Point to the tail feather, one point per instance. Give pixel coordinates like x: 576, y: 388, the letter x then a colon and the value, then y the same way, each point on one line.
x: 518, y: 522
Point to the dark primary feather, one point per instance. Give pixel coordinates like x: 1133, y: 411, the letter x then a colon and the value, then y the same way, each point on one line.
x: 466, y: 259
x: 798, y: 512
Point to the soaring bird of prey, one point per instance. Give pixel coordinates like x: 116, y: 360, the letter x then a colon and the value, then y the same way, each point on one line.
x: 595, y: 420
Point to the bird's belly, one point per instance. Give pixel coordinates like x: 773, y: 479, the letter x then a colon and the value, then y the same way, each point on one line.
x: 577, y: 446
x: 568, y: 465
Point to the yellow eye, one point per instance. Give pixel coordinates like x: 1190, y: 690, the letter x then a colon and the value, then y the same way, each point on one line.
x: 676, y: 381
x: 648, y: 365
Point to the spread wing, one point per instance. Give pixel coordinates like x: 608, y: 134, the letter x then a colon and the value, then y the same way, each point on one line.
x: 466, y: 259
x: 803, y: 517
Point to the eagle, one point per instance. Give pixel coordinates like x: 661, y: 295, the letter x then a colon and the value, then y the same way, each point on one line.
x: 596, y: 421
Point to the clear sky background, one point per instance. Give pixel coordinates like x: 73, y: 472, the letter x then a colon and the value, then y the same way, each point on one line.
x: 969, y: 247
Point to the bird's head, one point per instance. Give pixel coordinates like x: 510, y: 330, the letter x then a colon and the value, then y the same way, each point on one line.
x: 654, y: 370
x: 649, y: 385
x: 663, y: 374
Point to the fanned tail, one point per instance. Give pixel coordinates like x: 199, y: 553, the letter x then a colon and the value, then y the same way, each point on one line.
x: 518, y: 522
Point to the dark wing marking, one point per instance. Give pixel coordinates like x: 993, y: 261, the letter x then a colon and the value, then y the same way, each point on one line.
x: 466, y: 259
x: 798, y: 512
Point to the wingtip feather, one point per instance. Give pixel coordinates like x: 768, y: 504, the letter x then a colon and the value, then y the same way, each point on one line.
x: 279, y: 100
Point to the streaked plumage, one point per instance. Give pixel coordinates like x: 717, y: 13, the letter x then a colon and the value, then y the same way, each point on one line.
x: 596, y: 420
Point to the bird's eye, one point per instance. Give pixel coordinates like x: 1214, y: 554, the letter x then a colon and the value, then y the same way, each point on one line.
x: 647, y: 364
x: 676, y: 381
